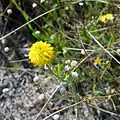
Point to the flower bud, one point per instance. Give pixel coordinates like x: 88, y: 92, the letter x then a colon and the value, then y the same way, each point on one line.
x: 74, y: 74
x: 6, y: 49
x: 9, y: 11
x: 34, y: 5
x: 74, y: 63
x: 67, y: 67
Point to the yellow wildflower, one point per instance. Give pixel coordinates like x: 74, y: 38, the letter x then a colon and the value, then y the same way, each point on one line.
x: 97, y: 61
x: 105, y: 18
x: 41, y: 53
x: 109, y: 17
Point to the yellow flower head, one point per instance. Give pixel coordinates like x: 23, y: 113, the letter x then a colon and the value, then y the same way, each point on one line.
x: 105, y: 18
x: 102, y: 18
x: 109, y: 17
x: 41, y: 54
x: 97, y: 61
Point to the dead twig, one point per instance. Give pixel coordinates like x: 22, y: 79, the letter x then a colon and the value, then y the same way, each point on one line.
x: 85, y: 99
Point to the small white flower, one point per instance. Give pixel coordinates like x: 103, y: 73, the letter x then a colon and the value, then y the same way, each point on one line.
x: 66, y: 8
x: 74, y: 74
x: 74, y: 63
x: 5, y: 90
x: 6, y: 49
x: 37, y: 32
x: 26, y: 55
x: 82, y: 52
x: 42, y: 1
x: 45, y: 67
x: 36, y: 78
x: 34, y: 5
x: 81, y: 4
x: 3, y: 41
x: 118, y: 50
x: 56, y: 117
x: 9, y: 11
x: 67, y: 67
x: 67, y: 61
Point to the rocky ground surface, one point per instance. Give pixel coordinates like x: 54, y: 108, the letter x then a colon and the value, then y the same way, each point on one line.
x: 23, y: 95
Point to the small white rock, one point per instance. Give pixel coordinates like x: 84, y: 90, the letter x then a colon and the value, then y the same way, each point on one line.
x: 36, y: 78
x: 41, y: 97
x: 6, y: 49
x: 67, y: 68
x: 74, y: 119
x: 56, y: 117
x: 74, y: 74
x: 5, y: 90
x: 34, y: 5
x: 16, y: 118
x: 9, y: 11
x: 74, y: 63
x: 37, y: 32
